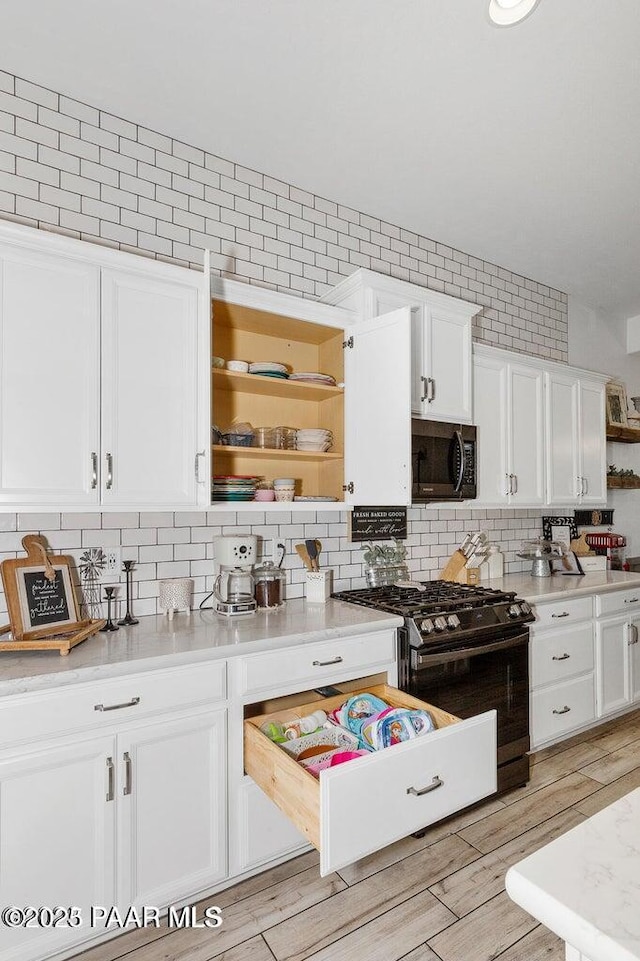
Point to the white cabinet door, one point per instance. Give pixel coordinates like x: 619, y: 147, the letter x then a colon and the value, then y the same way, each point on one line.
x: 150, y: 333
x: 172, y: 832
x: 490, y: 412
x: 378, y: 411
x: 613, y: 660
x: 526, y: 432
x: 57, y: 839
x: 447, y: 352
x: 562, y: 449
x: 49, y: 379
x: 593, y: 445
x: 634, y: 660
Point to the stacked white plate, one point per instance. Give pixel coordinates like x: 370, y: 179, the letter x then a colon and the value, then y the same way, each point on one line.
x: 314, y: 378
x: 313, y: 439
x: 268, y: 369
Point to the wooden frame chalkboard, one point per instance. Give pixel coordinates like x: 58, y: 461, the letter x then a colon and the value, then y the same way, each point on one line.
x: 40, y: 597
x: 378, y: 523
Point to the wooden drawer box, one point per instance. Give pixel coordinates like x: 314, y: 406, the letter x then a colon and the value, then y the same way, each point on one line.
x: 324, y: 660
x: 558, y: 655
x: 622, y: 602
x: 104, y: 704
x: 562, y: 612
x: 559, y: 709
x: 356, y: 808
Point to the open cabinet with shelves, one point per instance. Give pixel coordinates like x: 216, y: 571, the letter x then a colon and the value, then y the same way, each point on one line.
x: 367, y: 410
x: 253, y: 334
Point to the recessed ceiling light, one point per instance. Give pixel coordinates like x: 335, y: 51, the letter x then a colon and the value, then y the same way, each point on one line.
x: 504, y: 13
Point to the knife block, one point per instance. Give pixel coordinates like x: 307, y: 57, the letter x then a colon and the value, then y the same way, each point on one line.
x: 451, y: 571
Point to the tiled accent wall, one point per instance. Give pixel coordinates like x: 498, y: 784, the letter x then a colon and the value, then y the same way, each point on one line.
x: 70, y: 168
x: 67, y: 167
x: 181, y: 545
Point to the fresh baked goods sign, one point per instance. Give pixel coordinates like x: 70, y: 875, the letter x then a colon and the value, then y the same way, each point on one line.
x: 378, y: 523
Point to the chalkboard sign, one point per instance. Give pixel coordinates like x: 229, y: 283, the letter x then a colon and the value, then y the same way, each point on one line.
x: 378, y: 523
x: 39, y: 592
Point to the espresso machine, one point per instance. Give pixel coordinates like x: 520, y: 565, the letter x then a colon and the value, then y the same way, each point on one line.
x: 233, y: 560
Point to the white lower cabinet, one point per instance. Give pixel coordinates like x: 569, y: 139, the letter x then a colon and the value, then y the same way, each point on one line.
x: 618, y: 654
x: 264, y: 833
x: 561, y: 669
x: 172, y: 827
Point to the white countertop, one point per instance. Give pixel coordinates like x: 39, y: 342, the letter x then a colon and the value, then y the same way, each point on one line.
x: 534, y: 589
x: 157, y: 642
x: 585, y: 885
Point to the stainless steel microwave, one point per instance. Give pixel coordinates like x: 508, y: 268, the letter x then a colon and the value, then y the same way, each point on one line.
x: 443, y: 461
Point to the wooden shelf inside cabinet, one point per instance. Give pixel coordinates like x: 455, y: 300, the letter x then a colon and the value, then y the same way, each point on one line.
x: 623, y: 435
x: 272, y: 386
x: 276, y: 452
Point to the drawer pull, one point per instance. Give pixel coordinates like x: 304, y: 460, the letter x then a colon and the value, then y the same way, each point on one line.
x: 631, y: 600
x: 110, y: 779
x: 116, y: 707
x: 562, y: 657
x: 127, y: 773
x: 435, y: 784
x: 564, y: 614
x: 334, y: 660
x: 563, y: 710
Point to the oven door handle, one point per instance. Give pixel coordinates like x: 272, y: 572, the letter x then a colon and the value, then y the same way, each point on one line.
x: 459, y: 654
x: 460, y: 443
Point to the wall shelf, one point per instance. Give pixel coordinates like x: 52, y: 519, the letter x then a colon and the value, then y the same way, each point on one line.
x: 623, y: 435
x: 623, y: 483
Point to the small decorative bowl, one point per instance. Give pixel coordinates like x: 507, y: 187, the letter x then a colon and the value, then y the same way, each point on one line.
x: 284, y: 493
x: 240, y: 366
x: 217, y: 361
x: 264, y: 494
x: 284, y: 482
x: 237, y: 440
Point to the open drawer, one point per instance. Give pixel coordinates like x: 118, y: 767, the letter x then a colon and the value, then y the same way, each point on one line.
x: 354, y: 809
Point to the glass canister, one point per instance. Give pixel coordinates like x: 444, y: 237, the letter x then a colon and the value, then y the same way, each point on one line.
x: 269, y: 585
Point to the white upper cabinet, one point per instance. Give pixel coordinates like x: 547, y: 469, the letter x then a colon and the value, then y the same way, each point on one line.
x: 508, y: 412
x: 49, y: 378
x: 441, y: 366
x: 104, y: 377
x: 575, y: 439
x: 150, y: 390
x: 377, y: 421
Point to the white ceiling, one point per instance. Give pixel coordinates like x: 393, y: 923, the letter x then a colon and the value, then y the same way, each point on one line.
x: 518, y: 145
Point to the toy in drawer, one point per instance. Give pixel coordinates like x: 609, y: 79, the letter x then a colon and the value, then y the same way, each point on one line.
x: 354, y: 809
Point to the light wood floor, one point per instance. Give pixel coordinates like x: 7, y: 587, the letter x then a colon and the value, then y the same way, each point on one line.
x: 441, y: 897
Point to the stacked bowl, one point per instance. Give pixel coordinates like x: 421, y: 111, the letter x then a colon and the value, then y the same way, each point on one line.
x: 313, y: 439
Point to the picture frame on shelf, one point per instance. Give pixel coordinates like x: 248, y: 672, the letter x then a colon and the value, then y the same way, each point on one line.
x: 616, y: 405
x: 567, y: 564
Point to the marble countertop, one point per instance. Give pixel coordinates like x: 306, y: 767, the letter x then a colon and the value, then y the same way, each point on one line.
x: 585, y: 885
x: 157, y: 642
x: 535, y: 589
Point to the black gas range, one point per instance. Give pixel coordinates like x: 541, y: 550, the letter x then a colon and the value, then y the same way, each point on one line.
x: 465, y: 649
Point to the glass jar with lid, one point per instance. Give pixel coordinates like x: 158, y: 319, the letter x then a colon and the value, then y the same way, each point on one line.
x: 269, y: 585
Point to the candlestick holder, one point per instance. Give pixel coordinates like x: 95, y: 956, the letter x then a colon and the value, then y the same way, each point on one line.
x: 128, y: 570
x: 109, y: 626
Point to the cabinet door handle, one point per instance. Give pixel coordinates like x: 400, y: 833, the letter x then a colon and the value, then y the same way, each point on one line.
x: 116, y: 707
x: 432, y: 390
x: 631, y: 600
x: 514, y: 483
x: 563, y: 710
x: 562, y: 657
x: 94, y: 470
x: 334, y: 660
x: 127, y: 773
x: 579, y: 487
x: 435, y: 784
x: 199, y: 454
x: 109, y: 484
x: 633, y: 634
x: 564, y: 614
x: 508, y: 490
x: 110, y: 779
x: 585, y: 482
x: 425, y: 388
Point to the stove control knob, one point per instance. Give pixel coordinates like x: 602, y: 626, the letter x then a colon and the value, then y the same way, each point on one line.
x: 453, y: 621
x: 440, y: 623
x: 427, y: 626
x: 514, y: 610
x: 524, y: 608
